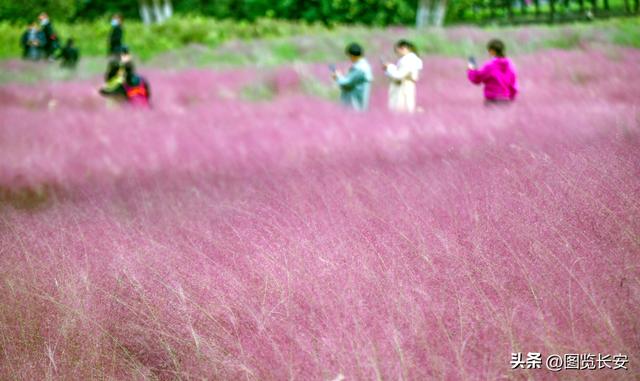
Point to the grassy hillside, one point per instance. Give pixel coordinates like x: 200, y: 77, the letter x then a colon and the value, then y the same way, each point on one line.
x: 150, y: 41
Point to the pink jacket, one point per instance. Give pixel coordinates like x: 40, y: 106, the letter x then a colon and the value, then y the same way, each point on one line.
x: 499, y: 78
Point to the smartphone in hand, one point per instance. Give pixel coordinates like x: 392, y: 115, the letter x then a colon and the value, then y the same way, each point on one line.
x: 472, y: 61
x: 332, y: 68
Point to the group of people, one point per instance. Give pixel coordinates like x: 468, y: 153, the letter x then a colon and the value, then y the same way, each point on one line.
x: 498, y: 77
x: 40, y: 42
x: 123, y: 84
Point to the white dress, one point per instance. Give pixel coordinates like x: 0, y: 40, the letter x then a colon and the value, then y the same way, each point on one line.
x: 402, y: 89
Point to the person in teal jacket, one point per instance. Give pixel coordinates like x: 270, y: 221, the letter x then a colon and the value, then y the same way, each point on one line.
x: 355, y: 86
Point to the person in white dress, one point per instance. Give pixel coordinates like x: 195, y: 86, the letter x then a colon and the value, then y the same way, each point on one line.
x: 403, y: 77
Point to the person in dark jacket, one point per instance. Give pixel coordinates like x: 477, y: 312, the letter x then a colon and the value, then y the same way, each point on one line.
x: 116, y: 36
x: 51, y: 43
x: 69, y: 55
x: 114, y: 75
x: 32, y: 41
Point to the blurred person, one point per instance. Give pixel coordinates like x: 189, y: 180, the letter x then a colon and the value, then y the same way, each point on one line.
x: 403, y: 77
x: 498, y: 75
x: 51, y: 43
x: 32, y: 42
x: 134, y: 88
x: 112, y: 87
x: 116, y: 35
x: 355, y: 86
x: 69, y: 55
x: 114, y: 76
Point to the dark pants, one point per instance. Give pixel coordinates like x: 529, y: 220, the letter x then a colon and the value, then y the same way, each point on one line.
x: 32, y: 53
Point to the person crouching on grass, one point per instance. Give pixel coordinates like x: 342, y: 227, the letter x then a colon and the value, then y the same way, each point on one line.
x: 114, y: 77
x: 355, y: 86
x: 498, y: 76
x: 134, y: 88
x: 403, y: 76
x: 69, y: 55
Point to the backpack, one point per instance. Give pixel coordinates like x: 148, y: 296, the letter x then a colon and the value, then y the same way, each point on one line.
x: 137, y: 95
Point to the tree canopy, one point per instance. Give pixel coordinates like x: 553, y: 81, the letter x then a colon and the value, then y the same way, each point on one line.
x: 330, y: 12
x: 370, y: 12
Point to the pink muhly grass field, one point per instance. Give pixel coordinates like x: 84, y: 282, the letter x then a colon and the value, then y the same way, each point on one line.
x: 215, y: 238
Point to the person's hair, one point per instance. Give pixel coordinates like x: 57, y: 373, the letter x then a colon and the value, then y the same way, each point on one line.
x: 497, y: 46
x: 407, y: 44
x: 70, y: 41
x: 354, y: 49
x: 43, y: 14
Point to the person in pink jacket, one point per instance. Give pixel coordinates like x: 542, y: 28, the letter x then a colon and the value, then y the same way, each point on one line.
x: 497, y: 75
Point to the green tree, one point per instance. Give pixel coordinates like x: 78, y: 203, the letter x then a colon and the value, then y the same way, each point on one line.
x: 369, y: 12
x: 28, y: 10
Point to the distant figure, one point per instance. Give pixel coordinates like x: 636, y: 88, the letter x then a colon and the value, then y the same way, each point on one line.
x: 32, y: 42
x: 69, y: 55
x: 355, y: 86
x: 116, y: 36
x: 113, y: 79
x: 133, y: 88
x: 404, y: 75
x: 114, y: 76
x: 51, y: 43
x: 498, y: 75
